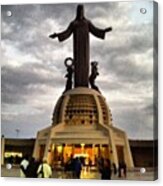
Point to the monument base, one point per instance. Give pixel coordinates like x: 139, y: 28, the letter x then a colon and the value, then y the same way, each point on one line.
x: 84, y: 129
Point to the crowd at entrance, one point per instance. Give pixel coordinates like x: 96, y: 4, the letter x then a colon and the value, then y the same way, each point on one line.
x: 72, y: 168
x: 35, y: 169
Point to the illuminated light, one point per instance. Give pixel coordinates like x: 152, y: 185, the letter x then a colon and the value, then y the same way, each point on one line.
x: 82, y: 144
x: 53, y: 147
x: 81, y: 155
x: 59, y: 148
x: 9, y: 154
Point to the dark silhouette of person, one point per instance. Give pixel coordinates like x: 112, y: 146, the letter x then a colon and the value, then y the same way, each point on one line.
x: 32, y: 168
x: 119, y: 169
x: 122, y: 169
x: 77, y: 168
x: 23, y: 166
x: 70, y: 167
x: 106, y: 170
x: 11, y: 160
x: 114, y: 168
x: 80, y: 28
x: 100, y: 164
x: 90, y: 163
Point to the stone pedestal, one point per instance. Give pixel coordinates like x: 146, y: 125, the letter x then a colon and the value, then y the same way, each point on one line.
x: 81, y: 116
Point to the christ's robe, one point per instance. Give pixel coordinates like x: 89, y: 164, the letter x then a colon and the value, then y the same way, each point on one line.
x: 80, y: 29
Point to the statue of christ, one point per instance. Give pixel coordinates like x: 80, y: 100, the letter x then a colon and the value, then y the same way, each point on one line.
x: 80, y: 28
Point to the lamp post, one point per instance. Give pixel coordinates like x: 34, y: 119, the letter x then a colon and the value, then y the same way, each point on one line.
x: 17, y: 132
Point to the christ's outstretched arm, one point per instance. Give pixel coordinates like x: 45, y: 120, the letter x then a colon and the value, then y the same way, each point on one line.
x: 100, y: 33
x: 63, y: 35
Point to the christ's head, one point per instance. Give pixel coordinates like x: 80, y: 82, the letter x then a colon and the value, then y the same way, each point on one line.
x: 80, y: 12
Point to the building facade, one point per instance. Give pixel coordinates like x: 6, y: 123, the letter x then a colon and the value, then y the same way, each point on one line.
x: 82, y: 126
x: 144, y: 152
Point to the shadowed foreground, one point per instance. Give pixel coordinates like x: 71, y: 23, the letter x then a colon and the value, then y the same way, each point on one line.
x: 133, y: 174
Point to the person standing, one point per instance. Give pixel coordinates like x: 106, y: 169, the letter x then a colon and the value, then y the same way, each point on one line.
x: 77, y: 168
x: 106, y: 170
x: 44, y: 170
x: 122, y: 169
x: 23, y: 166
x: 32, y: 168
x: 114, y: 168
x: 100, y: 164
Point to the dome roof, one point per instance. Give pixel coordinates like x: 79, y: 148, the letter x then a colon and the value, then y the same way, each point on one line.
x: 81, y: 106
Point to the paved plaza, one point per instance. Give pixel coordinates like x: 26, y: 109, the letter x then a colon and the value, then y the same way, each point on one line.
x: 91, y: 174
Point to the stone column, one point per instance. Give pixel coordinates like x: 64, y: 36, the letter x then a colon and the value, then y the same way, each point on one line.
x: 52, y: 153
x: 93, y: 154
x: 36, y: 147
x: 127, y: 152
x: 114, y: 156
x: 82, y: 147
x: 73, y: 149
x: 48, y: 146
x: 63, y: 149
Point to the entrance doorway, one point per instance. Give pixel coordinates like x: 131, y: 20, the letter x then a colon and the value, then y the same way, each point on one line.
x: 120, y: 153
x: 88, y: 152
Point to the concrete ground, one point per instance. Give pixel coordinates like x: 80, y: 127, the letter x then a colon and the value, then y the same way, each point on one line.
x: 133, y: 174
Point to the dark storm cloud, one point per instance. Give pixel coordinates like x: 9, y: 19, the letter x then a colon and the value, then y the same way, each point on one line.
x: 120, y: 60
x: 129, y: 42
x: 94, y: 10
x: 26, y: 123
x: 138, y: 121
x: 149, y: 109
x: 23, y: 33
x: 127, y: 71
x: 18, y: 83
x: 110, y: 85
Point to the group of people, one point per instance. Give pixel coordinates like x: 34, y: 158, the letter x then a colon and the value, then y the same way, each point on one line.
x: 34, y: 169
x: 105, y: 168
x: 74, y: 167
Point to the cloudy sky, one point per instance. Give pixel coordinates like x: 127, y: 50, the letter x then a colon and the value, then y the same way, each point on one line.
x: 32, y: 65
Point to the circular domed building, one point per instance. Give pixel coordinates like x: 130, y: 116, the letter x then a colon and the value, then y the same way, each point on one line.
x: 82, y: 106
x: 82, y: 126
